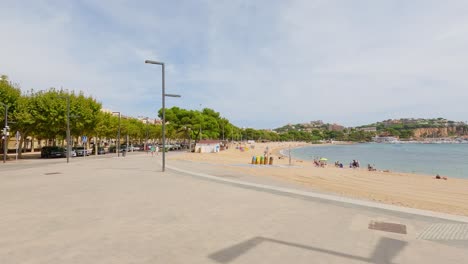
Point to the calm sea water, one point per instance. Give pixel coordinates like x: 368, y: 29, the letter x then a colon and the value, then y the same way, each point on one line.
x: 444, y: 159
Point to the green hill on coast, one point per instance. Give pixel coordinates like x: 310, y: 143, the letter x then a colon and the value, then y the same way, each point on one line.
x: 404, y: 128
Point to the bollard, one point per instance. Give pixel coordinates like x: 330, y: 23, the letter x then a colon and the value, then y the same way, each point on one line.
x: 265, y: 161
x: 253, y: 160
x: 271, y: 160
x: 257, y: 160
x: 261, y: 160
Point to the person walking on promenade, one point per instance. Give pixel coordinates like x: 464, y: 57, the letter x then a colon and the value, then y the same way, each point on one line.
x: 153, y: 149
x: 157, y: 150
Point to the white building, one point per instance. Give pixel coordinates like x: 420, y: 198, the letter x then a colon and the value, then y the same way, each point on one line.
x: 208, y: 146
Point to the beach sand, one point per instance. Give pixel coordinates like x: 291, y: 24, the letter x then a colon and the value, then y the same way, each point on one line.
x: 402, y: 189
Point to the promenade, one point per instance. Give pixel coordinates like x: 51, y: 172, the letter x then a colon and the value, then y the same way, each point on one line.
x: 125, y: 210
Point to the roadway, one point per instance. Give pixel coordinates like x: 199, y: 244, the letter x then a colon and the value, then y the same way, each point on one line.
x: 125, y: 210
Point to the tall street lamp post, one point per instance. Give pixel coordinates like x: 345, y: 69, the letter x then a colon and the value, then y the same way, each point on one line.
x: 163, y: 111
x: 5, y: 133
x: 68, y: 127
x: 118, y: 137
x: 201, y: 121
x: 147, y: 134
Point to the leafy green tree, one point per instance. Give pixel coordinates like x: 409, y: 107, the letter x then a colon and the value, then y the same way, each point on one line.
x: 9, y: 95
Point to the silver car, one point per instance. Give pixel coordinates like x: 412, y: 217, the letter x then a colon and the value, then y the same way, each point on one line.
x: 81, y: 151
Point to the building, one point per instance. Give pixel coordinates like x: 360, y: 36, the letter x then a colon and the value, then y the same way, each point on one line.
x: 391, y: 122
x: 316, y: 123
x: 146, y: 120
x: 378, y: 139
x: 368, y: 129
x: 208, y: 146
x: 335, y: 127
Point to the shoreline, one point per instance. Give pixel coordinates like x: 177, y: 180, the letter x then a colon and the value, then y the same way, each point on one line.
x: 402, y: 189
x: 388, y: 170
x: 279, y: 151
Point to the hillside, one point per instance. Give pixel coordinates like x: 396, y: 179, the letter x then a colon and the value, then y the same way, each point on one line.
x: 419, y: 128
x: 404, y: 128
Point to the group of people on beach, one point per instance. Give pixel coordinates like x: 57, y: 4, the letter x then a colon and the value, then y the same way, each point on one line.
x: 371, y: 168
x: 320, y: 163
x: 438, y: 177
x: 338, y: 164
x: 354, y: 164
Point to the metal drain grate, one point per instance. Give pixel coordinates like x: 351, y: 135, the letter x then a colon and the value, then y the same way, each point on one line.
x: 388, y: 227
x: 445, y: 232
x: 52, y: 173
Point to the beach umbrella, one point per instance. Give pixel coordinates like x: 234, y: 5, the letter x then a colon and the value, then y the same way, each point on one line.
x: 324, y: 159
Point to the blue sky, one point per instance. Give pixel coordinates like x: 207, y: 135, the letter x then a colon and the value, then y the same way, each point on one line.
x: 259, y: 63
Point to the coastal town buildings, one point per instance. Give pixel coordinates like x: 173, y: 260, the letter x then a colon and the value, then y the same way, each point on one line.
x: 379, y: 139
x: 335, y: 127
x: 368, y: 129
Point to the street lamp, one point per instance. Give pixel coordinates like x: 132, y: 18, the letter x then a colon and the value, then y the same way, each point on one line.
x: 118, y: 137
x: 147, y: 134
x: 5, y: 133
x: 163, y: 112
x: 68, y: 127
x: 201, y: 121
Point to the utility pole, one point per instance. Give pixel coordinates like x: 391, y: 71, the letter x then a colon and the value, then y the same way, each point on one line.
x: 5, y: 134
x: 164, y: 95
x: 118, y: 136
x: 223, y: 130
x: 147, y: 134
x: 126, y: 150
x: 68, y: 129
x: 201, y: 121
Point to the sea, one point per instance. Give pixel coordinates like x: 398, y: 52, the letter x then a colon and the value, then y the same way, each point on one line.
x: 444, y: 159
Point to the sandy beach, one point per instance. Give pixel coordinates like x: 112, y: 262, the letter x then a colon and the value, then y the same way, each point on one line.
x: 403, y: 189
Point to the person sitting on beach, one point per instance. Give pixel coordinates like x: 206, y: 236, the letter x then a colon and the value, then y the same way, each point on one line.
x: 438, y: 177
x: 323, y: 164
x: 341, y: 165
x: 316, y: 163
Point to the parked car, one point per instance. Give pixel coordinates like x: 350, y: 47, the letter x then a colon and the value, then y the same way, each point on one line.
x: 81, y: 151
x: 112, y: 149
x: 73, y: 153
x: 53, y: 152
x: 101, y: 151
x: 136, y: 148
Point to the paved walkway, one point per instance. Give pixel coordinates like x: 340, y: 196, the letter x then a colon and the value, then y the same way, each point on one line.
x: 124, y: 210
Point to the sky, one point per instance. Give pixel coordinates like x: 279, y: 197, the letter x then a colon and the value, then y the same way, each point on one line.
x: 261, y: 64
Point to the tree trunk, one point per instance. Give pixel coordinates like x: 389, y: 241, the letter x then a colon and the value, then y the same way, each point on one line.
x: 32, y: 144
x: 20, y: 146
x: 96, y: 145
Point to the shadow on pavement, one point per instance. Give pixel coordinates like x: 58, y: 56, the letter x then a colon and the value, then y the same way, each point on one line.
x: 384, y: 252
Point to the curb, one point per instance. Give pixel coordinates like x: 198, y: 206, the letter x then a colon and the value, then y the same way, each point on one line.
x: 328, y: 197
